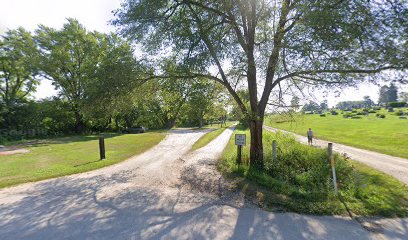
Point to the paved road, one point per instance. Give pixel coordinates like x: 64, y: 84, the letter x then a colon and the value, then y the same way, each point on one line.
x: 167, y: 192
x: 394, y: 166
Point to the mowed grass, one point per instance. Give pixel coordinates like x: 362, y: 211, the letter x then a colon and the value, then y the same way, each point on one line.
x: 388, y: 135
x: 69, y: 155
x: 208, y: 137
x: 363, y: 190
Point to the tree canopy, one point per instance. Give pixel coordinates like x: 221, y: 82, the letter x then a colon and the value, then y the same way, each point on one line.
x: 270, y: 43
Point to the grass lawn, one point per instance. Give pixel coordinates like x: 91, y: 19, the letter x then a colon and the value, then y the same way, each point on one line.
x: 69, y: 155
x: 388, y: 135
x: 363, y: 190
x: 208, y: 137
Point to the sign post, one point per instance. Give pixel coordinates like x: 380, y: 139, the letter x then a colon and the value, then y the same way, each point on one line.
x: 240, y: 140
x: 273, y: 150
x: 333, y: 165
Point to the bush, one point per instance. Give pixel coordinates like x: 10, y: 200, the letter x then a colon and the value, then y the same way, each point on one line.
x: 390, y: 109
x: 397, y: 104
x: 400, y: 113
x: 379, y: 115
x: 322, y: 115
x: 372, y: 111
x: 334, y: 113
x: 355, y: 117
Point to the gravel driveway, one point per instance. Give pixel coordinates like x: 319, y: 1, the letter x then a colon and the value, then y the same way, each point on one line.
x: 394, y: 166
x: 167, y: 192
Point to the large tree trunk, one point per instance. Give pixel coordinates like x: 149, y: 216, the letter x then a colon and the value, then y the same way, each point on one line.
x: 79, y: 123
x: 170, y: 123
x: 256, y: 150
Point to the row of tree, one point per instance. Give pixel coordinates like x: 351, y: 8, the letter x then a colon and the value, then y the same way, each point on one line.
x: 100, y: 83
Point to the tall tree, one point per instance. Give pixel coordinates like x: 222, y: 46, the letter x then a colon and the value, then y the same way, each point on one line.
x: 271, y: 43
x: 18, y: 70
x: 294, y: 102
x: 368, y: 102
x: 392, y: 93
x: 85, y: 66
x: 388, y: 94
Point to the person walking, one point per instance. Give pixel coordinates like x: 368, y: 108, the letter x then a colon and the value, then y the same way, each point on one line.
x: 310, y: 137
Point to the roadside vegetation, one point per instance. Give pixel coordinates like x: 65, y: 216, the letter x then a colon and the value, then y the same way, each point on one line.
x: 300, y: 181
x: 63, y: 156
x: 208, y: 137
x: 376, y: 130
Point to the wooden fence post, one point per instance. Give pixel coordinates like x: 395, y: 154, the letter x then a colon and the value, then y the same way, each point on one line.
x: 102, y: 146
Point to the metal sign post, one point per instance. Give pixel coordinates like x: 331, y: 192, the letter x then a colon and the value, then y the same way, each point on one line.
x: 333, y: 165
x: 240, y: 140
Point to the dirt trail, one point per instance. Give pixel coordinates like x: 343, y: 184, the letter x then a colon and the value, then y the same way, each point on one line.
x: 394, y: 166
x: 167, y: 192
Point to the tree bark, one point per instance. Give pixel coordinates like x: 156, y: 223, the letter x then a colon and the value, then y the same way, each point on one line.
x: 256, y: 147
x: 79, y: 123
x: 170, y: 123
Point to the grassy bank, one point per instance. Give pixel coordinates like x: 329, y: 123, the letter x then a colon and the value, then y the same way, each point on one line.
x: 208, y: 137
x: 69, y: 155
x: 300, y: 181
x: 387, y: 135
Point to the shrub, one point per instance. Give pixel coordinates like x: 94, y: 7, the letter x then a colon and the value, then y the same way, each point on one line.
x: 390, y: 109
x: 355, y: 117
x: 372, y: 111
x: 334, y: 113
x: 322, y: 115
x: 377, y: 108
x: 397, y: 104
x: 400, y: 113
x: 360, y: 113
x: 379, y: 115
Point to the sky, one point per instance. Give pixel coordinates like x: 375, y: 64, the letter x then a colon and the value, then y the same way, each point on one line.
x: 95, y: 15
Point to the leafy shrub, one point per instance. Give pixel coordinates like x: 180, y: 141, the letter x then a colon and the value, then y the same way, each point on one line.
x: 379, y: 115
x: 355, y: 117
x: 377, y: 108
x: 303, y: 166
x: 397, y: 104
x: 372, y: 111
x: 322, y: 115
x: 334, y: 113
x: 400, y: 113
x: 360, y: 113
x: 390, y: 109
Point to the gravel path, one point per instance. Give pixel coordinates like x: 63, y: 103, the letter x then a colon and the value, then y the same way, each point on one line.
x: 167, y: 192
x: 394, y: 166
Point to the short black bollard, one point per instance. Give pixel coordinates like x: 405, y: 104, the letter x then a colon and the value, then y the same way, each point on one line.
x: 102, y: 146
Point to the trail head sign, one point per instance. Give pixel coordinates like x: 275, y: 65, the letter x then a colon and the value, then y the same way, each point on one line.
x: 240, y: 139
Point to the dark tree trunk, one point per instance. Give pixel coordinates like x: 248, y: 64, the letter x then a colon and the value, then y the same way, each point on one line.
x: 79, y: 123
x: 170, y: 123
x: 256, y: 150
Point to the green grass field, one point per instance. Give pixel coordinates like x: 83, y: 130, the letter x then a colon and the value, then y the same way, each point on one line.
x: 363, y: 190
x: 388, y: 135
x: 208, y: 137
x: 69, y: 155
